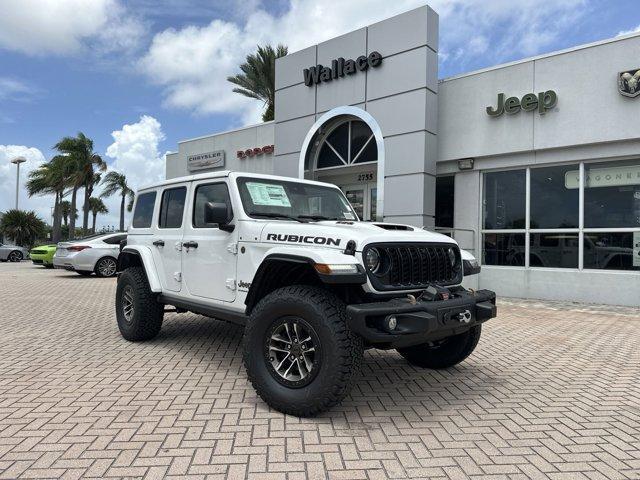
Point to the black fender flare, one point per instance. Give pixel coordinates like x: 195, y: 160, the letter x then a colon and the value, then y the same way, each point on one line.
x: 257, y: 286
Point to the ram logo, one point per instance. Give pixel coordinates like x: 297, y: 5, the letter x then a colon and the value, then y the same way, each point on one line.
x: 309, y: 239
x: 629, y: 82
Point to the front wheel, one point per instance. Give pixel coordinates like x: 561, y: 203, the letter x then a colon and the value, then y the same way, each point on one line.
x: 299, y: 353
x: 138, y: 312
x: 443, y: 353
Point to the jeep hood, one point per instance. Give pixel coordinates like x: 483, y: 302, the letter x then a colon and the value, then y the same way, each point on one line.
x: 336, y: 234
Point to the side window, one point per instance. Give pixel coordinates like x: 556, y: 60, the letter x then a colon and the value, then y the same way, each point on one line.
x: 143, y: 213
x: 212, y: 192
x: 172, y: 207
x: 114, y: 240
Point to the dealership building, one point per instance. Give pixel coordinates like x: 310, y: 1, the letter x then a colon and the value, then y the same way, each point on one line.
x: 533, y: 166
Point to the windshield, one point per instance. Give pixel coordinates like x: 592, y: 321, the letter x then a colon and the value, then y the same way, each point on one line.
x: 266, y: 198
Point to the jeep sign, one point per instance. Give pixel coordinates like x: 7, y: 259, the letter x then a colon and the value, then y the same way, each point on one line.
x: 542, y: 102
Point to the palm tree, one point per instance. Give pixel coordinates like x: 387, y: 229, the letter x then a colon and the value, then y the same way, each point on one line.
x: 52, y: 178
x: 96, y: 206
x: 258, y: 77
x: 23, y: 227
x: 65, y: 210
x: 80, y: 149
x: 115, y: 182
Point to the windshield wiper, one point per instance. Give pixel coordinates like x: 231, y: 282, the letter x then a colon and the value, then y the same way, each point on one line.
x: 275, y: 215
x: 318, y: 217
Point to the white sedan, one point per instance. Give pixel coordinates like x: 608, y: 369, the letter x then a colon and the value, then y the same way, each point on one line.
x: 97, y: 254
x: 12, y: 253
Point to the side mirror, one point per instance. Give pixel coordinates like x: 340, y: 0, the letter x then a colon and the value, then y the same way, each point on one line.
x: 217, y: 213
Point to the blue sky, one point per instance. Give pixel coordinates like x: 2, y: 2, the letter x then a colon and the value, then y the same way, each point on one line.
x: 154, y: 72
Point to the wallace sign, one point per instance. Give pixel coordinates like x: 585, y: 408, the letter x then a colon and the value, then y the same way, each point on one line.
x: 339, y: 68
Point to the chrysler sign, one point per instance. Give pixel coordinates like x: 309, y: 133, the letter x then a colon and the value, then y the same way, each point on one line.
x: 339, y: 68
x: 203, y: 161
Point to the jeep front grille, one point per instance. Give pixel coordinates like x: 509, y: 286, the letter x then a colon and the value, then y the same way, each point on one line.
x: 415, y: 266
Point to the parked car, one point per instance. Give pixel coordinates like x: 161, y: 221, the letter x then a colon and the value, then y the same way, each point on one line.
x: 43, y: 255
x: 12, y: 253
x: 95, y: 254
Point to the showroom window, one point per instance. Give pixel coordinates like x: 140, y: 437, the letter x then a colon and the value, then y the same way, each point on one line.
x: 534, y: 217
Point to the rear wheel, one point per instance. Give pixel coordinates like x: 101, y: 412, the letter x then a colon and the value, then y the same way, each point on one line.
x: 106, y: 267
x: 299, y: 354
x: 444, y: 353
x: 138, y: 312
x: 15, y: 256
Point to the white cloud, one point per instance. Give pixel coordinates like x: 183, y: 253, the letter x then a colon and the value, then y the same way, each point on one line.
x: 41, y: 204
x: 192, y: 63
x: 135, y: 151
x: 38, y: 27
x: 628, y: 32
x: 13, y: 89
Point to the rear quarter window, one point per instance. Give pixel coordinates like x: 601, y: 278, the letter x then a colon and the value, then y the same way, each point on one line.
x: 143, y: 213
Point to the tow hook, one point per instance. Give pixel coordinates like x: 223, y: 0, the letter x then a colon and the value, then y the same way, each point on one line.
x: 464, y: 317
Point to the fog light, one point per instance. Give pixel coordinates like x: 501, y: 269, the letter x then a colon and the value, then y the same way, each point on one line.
x: 392, y: 323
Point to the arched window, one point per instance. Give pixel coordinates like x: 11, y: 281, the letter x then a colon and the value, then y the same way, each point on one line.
x: 349, y: 143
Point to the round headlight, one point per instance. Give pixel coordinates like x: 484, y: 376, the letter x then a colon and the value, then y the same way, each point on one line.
x: 372, y: 260
x: 452, y: 256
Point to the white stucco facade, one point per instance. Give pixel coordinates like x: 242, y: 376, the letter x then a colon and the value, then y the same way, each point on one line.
x: 549, y: 205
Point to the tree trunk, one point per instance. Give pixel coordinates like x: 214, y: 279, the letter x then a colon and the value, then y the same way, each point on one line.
x: 85, y: 208
x: 72, y: 216
x: 55, y: 231
x: 122, y: 212
x: 93, y: 225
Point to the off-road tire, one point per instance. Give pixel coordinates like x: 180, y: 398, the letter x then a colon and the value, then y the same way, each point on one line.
x: 448, y: 353
x: 340, y: 350
x: 146, y: 319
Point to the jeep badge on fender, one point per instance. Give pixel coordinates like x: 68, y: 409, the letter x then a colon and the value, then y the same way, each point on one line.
x: 312, y: 286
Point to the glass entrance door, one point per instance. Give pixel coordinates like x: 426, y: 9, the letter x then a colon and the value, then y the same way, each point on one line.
x: 363, y: 198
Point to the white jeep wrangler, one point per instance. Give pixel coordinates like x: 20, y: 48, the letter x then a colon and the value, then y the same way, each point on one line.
x: 312, y: 285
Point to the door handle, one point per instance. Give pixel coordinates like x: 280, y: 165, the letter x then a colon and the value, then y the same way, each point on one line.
x: 159, y: 243
x: 190, y: 244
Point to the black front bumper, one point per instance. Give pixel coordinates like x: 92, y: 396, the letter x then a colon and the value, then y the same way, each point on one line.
x: 421, y: 321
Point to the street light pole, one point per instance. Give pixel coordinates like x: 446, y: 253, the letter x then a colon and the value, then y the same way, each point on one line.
x: 17, y: 161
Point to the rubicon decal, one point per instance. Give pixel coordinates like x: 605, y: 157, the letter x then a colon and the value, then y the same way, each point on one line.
x: 276, y: 237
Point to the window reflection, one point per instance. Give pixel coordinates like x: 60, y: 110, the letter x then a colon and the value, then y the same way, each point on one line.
x: 554, y: 201
x: 612, y: 251
x: 504, y: 249
x: 612, y: 195
x: 504, y: 200
x: 553, y: 250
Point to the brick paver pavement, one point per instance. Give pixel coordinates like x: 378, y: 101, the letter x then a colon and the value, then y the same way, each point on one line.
x: 552, y: 391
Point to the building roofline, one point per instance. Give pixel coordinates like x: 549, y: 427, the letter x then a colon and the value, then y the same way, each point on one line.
x: 232, y: 130
x: 541, y: 56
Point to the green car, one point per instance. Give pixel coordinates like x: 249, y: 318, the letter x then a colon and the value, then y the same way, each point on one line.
x: 43, y: 255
